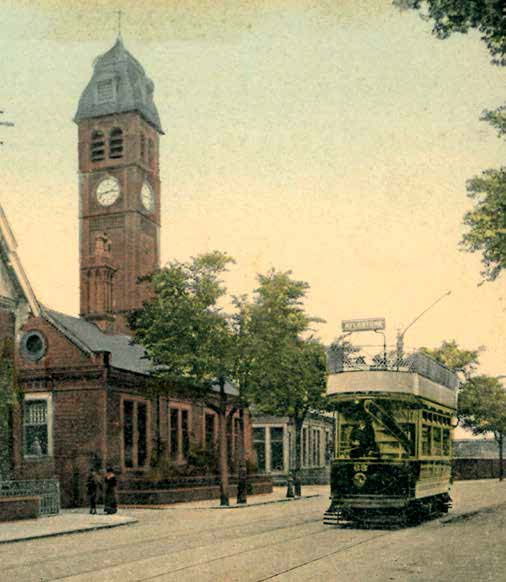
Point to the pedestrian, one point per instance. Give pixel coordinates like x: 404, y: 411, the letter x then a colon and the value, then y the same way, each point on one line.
x: 110, y: 501
x: 92, y: 490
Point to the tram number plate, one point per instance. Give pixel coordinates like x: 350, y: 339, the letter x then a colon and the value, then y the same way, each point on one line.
x: 360, y: 466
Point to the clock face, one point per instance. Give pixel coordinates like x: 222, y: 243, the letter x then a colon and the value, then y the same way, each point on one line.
x: 108, y: 191
x: 147, y: 197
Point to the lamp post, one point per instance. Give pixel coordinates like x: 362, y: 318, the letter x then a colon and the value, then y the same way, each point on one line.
x: 400, y: 334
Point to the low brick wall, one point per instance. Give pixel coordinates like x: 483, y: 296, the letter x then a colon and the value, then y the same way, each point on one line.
x: 466, y: 469
x: 143, y: 493
x: 14, y: 508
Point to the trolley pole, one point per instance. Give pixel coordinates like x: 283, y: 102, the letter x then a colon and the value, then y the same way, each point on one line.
x: 400, y: 334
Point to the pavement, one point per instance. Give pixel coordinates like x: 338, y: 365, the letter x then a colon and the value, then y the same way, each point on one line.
x: 66, y: 522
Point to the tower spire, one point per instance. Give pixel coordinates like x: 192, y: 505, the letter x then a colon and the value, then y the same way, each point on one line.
x: 120, y: 15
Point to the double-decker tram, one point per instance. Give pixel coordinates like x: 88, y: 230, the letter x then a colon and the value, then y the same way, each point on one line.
x: 393, y: 441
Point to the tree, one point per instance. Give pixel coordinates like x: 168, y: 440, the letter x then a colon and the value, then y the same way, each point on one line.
x: 190, y: 340
x: 450, y: 16
x: 482, y: 409
x: 458, y: 360
x: 487, y: 220
x: 289, y: 370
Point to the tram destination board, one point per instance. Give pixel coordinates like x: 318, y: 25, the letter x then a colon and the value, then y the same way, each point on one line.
x: 369, y: 324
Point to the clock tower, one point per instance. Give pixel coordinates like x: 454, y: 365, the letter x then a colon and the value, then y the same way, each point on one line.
x: 119, y: 189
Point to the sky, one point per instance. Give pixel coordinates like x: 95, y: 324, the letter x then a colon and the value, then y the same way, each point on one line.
x: 330, y: 138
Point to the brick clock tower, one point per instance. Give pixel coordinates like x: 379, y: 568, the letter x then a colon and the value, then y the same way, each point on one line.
x: 119, y: 189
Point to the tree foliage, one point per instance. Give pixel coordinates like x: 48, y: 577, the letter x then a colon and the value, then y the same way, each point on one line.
x: 458, y: 360
x: 290, y: 367
x: 482, y: 406
x: 487, y: 221
x: 488, y: 17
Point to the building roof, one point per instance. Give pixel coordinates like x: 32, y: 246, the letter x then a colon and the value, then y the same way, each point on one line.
x: 125, y: 355
x: 14, y: 283
x: 119, y: 84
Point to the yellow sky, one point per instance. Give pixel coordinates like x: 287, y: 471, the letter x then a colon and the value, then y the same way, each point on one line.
x: 330, y: 138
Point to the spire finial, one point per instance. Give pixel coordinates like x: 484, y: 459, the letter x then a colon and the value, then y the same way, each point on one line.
x: 120, y: 14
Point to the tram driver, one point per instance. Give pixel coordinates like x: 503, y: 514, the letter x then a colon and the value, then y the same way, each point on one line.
x: 363, y: 440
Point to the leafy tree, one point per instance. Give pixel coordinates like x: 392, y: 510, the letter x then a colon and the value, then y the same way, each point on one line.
x: 189, y: 339
x: 289, y: 370
x: 450, y: 16
x: 487, y: 220
x: 458, y: 360
x: 482, y: 409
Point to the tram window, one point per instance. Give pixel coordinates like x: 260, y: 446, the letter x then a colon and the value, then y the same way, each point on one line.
x: 446, y: 442
x: 410, y: 430
x: 436, y: 440
x: 426, y: 439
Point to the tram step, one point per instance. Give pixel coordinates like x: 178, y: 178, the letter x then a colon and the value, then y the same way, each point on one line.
x: 331, y: 518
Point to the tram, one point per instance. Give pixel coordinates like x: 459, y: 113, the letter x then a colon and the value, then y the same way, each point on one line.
x: 394, y: 434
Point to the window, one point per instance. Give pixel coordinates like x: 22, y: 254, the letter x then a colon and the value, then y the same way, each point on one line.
x: 304, y: 448
x: 143, y: 147
x: 259, y: 446
x: 277, y: 449
x: 174, y: 432
x: 437, y: 432
x: 116, y: 143
x: 128, y: 433
x: 426, y: 439
x: 105, y: 91
x: 33, y: 345
x: 446, y: 442
x: 210, y: 430
x: 135, y: 433
x: 151, y: 152
x: 97, y: 146
x: 37, y: 426
x: 179, y: 446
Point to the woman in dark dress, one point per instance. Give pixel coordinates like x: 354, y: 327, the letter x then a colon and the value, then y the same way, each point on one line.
x: 110, y: 502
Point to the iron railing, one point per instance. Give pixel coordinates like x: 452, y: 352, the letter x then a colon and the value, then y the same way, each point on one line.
x: 360, y: 358
x: 47, y: 489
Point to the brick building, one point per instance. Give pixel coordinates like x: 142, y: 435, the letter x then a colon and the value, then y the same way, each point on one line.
x: 84, y: 382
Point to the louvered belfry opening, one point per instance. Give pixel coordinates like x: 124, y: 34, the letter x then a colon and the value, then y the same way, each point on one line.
x: 116, y: 143
x: 97, y: 146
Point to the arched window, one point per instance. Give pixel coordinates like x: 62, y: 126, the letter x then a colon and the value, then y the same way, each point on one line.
x: 97, y: 146
x: 116, y: 143
x: 143, y: 147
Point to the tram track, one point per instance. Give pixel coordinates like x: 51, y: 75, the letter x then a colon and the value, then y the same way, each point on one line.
x: 177, y: 535
x: 179, y: 539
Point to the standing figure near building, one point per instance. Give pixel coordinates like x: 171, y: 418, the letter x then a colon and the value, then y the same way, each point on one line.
x: 110, y: 500
x: 92, y: 490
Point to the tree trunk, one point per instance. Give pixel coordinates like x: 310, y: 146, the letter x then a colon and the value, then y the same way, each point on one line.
x: 298, y: 453
x: 223, y: 460
x: 501, y: 460
x: 242, y: 485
